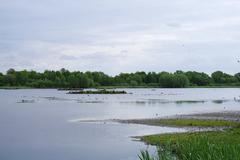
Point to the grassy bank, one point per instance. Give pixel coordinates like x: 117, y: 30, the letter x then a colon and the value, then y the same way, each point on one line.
x: 14, y: 87
x: 207, y: 145
x: 184, y: 122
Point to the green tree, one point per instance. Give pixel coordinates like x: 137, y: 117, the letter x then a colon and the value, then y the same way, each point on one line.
x: 151, y: 77
x: 9, y: 80
x: 83, y: 80
x: 199, y: 79
x: 1, y: 79
x: 176, y: 80
x: 11, y: 71
x: 73, y: 81
x: 180, y: 81
x: 237, y: 75
x: 218, y: 77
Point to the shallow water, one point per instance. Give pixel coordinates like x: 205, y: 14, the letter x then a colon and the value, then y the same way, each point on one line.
x: 50, y: 124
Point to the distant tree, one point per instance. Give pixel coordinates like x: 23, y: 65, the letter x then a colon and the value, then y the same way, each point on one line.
x: 166, y: 80
x: 142, y: 76
x: 73, y: 81
x: 9, y: 80
x: 151, y: 77
x: 11, y: 71
x: 169, y: 80
x: 134, y: 77
x: 133, y: 83
x: 22, y: 77
x: 179, y: 72
x: 77, y: 79
x: 237, y: 75
x: 180, y: 80
x: 199, y: 79
x: 84, y: 82
x: 220, y: 77
x: 1, y: 79
x: 50, y: 75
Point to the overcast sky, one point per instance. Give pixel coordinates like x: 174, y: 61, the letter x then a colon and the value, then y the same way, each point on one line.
x: 116, y: 36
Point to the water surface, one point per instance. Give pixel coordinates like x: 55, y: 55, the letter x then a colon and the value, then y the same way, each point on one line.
x: 49, y: 124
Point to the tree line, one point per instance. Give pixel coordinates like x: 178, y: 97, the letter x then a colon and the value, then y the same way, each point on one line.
x: 66, y: 79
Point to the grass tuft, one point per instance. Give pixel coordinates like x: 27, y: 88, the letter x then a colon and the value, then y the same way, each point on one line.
x: 208, y: 145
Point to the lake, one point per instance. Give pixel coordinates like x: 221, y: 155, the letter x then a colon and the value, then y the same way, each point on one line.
x: 52, y: 125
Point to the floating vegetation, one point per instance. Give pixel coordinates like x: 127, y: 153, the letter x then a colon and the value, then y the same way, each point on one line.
x: 164, y: 101
x: 56, y: 99
x: 220, y: 101
x: 190, y: 101
x: 70, y: 89
x: 90, y: 102
x: 153, y: 101
x: 97, y: 92
x: 26, y: 101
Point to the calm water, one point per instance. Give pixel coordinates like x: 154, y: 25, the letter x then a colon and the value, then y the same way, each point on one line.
x: 50, y: 124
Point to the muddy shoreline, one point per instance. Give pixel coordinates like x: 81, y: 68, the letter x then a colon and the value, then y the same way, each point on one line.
x: 233, y: 116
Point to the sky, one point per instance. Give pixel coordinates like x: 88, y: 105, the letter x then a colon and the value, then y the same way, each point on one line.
x: 116, y: 36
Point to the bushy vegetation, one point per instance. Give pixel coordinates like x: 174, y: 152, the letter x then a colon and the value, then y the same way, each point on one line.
x: 208, y: 145
x: 186, y: 122
x: 197, y: 148
x: 76, y: 79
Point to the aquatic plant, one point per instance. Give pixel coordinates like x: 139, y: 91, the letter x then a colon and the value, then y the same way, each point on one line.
x: 199, y: 148
x: 144, y: 155
x: 97, y: 92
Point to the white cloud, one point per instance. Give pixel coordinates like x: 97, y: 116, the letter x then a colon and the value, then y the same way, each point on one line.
x: 120, y: 36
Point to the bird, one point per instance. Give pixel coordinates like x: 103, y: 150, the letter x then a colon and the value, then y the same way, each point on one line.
x: 238, y: 61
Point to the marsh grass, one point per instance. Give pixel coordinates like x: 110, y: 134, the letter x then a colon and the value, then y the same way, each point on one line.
x: 144, y: 155
x: 208, y: 145
x: 186, y: 122
x: 199, y: 148
x: 196, y: 122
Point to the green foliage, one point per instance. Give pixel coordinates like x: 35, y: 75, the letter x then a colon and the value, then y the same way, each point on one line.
x: 207, y: 145
x: 184, y: 122
x: 177, y: 80
x: 1, y: 79
x: 145, y: 156
x: 197, y: 148
x: 198, y: 79
x: 220, y: 77
x: 66, y: 79
x: 237, y: 76
x: 203, y: 149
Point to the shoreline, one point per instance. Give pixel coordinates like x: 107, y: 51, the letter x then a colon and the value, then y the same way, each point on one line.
x: 215, y: 126
x: 231, y: 116
x: 117, y: 87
